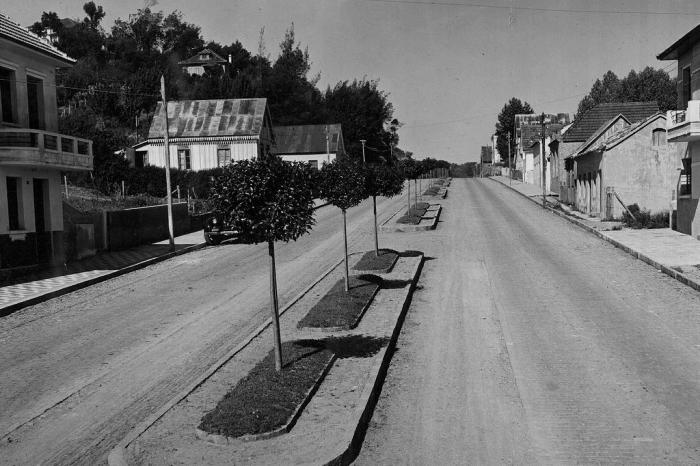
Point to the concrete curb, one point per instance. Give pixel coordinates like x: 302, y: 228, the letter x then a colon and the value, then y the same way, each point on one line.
x: 371, y: 392
x: 7, y: 310
x: 665, y: 269
x: 218, y: 439
x: 117, y: 456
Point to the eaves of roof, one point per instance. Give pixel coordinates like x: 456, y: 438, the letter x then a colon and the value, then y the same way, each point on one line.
x: 681, y: 46
x: 20, y: 35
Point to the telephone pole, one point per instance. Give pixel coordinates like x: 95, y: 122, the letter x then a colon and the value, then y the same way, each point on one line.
x: 544, y: 188
x: 363, y: 150
x: 510, y: 172
x: 166, y: 143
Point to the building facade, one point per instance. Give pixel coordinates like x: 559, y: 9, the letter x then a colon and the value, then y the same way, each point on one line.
x: 206, y: 134
x: 32, y: 152
x: 312, y: 144
x: 683, y: 126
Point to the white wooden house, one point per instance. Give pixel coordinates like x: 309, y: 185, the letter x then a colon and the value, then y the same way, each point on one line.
x: 313, y: 144
x: 205, y: 134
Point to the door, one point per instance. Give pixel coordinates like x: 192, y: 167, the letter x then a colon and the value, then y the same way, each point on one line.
x: 43, y: 237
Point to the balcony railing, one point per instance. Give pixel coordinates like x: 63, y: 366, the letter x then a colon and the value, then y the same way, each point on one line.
x: 20, y: 146
x: 684, y: 125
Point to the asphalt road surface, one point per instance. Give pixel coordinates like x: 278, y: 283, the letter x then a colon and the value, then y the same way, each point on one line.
x: 530, y: 341
x: 78, y: 372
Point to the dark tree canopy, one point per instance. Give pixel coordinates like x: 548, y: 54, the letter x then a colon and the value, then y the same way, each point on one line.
x: 648, y: 85
x: 265, y: 199
x: 411, y: 169
x: 342, y: 183
x: 506, y: 124
x: 383, y: 180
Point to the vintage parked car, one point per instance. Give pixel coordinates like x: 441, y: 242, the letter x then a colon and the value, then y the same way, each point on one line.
x: 215, y: 230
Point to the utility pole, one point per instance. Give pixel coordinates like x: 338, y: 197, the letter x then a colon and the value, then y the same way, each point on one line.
x: 510, y: 172
x: 166, y: 143
x: 328, y: 147
x: 363, y: 150
x: 544, y: 193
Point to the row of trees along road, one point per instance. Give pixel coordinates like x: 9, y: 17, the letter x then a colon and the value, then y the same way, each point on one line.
x: 270, y: 200
x: 110, y: 94
x: 648, y: 85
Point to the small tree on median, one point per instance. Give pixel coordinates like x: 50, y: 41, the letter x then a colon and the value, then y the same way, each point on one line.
x: 411, y: 170
x: 342, y: 183
x: 381, y: 180
x: 266, y: 200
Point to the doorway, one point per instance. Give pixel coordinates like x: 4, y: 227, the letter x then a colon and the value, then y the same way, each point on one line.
x: 41, y: 220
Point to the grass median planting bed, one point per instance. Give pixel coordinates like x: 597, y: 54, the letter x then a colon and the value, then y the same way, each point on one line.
x: 415, y: 213
x: 266, y: 400
x: 383, y: 262
x: 339, y: 309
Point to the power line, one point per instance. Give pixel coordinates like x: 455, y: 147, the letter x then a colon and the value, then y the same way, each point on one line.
x: 86, y: 89
x: 538, y: 9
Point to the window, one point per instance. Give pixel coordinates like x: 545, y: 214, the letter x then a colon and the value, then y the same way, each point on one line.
x: 141, y: 159
x: 183, y: 159
x: 35, y: 101
x: 685, y: 184
x: 223, y: 156
x: 685, y: 88
x: 658, y: 137
x: 14, y: 202
x: 7, y: 96
x: 313, y: 164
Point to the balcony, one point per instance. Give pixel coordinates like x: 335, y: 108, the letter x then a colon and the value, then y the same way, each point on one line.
x: 684, y: 125
x: 36, y: 148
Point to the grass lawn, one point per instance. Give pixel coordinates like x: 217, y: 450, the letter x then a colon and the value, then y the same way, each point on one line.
x: 340, y: 309
x: 383, y: 262
x: 265, y: 399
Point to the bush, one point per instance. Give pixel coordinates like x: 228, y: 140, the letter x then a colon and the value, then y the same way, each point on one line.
x: 644, y: 218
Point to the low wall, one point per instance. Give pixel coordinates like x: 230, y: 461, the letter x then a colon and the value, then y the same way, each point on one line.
x: 133, y: 227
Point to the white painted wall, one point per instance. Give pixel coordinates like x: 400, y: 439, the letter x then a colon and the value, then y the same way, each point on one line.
x: 202, y: 156
x: 320, y: 158
x: 54, y: 219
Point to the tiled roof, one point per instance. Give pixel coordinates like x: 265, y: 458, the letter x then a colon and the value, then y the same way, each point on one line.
x: 210, y: 118
x: 307, y: 139
x: 16, y: 33
x: 196, y: 60
x: 603, y: 128
x: 588, y: 123
x: 624, y: 133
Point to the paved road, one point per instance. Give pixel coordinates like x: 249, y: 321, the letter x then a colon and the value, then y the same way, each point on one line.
x: 533, y: 342
x: 94, y: 363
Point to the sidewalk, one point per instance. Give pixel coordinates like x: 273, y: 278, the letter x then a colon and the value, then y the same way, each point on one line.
x: 673, y: 253
x: 46, y: 284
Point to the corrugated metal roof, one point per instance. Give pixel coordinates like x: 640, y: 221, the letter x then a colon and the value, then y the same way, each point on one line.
x: 16, y: 33
x: 588, y: 123
x: 207, y: 118
x: 308, y: 139
x: 214, y: 59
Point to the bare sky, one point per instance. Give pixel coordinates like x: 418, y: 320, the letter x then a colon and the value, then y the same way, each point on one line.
x: 448, y: 65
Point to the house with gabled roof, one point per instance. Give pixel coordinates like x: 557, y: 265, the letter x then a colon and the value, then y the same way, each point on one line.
x: 312, y: 144
x: 205, y: 134
x: 585, y: 126
x: 205, y: 59
x: 632, y: 162
x: 33, y: 154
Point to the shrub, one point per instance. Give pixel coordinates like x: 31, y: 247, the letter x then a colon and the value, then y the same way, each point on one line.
x: 643, y: 218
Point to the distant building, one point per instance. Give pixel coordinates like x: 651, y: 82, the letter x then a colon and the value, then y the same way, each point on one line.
x: 32, y: 152
x: 683, y: 127
x: 204, y: 59
x: 206, y: 134
x: 313, y: 144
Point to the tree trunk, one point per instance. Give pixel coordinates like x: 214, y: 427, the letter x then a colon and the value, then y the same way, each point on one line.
x: 376, y: 235
x: 345, y: 240
x: 415, y: 193
x: 408, y: 192
x: 275, y: 307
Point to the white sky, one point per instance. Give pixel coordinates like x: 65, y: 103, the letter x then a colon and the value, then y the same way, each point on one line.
x: 448, y: 65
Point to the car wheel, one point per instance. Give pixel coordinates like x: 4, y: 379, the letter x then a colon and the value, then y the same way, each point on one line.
x: 212, y: 240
